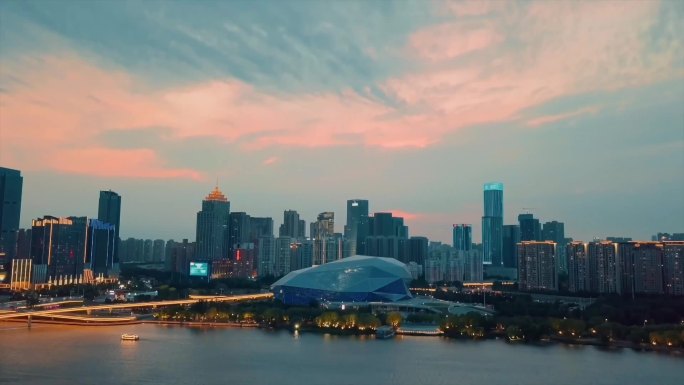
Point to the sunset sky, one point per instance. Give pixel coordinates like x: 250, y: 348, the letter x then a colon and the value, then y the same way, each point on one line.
x: 577, y: 107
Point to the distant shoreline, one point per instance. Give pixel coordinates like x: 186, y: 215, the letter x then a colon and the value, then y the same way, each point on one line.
x: 235, y: 325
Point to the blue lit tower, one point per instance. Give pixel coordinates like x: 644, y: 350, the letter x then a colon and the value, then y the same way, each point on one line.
x: 492, y: 224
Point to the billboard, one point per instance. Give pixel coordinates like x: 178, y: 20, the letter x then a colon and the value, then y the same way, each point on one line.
x: 199, y: 269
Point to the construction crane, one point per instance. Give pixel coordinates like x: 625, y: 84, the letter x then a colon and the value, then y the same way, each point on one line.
x: 527, y: 209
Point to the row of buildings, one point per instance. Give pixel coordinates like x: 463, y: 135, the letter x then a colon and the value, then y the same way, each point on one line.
x: 604, y: 267
x: 67, y: 250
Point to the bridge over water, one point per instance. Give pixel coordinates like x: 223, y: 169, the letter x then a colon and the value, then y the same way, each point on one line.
x: 65, y: 314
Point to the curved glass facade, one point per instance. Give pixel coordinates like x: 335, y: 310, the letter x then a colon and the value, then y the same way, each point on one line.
x: 353, y: 279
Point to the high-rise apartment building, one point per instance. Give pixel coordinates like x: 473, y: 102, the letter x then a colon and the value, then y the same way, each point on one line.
x: 462, y: 237
x: 282, y: 260
x: 603, y: 270
x: 11, y: 183
x: 537, y: 266
x: 266, y: 253
x: 641, y: 267
x: 578, y: 265
x: 492, y: 224
x: 555, y: 232
x: 673, y: 267
x: 356, y: 230
x: 109, y: 211
x: 324, y: 226
x: 212, y: 227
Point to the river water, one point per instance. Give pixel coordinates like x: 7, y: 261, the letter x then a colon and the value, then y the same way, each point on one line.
x: 48, y: 354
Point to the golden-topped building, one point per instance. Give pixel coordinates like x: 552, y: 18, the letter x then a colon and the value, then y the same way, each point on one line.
x: 216, y: 195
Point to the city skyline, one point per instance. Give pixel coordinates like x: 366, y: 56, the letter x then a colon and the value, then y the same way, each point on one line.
x: 386, y: 113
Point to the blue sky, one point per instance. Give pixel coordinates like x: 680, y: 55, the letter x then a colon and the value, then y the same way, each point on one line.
x: 575, y: 106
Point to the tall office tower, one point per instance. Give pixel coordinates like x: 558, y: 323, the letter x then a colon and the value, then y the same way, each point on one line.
x: 239, y: 228
x: 266, y: 255
x: 260, y: 227
x: 463, y: 237
x: 158, y: 250
x: 641, y: 267
x: 302, y: 228
x: 24, y: 243
x: 673, y: 267
x: 292, y: 225
x: 281, y: 265
x: 511, y: 238
x: 109, y: 211
x: 418, y: 250
x: 212, y: 227
x: 356, y: 229
x: 537, y: 266
x: 11, y: 183
x: 100, y: 246
x: 555, y: 231
x: 492, y: 224
x: 578, y: 267
x: 58, y: 244
x: 387, y: 225
x: 530, y: 229
x: 604, y: 276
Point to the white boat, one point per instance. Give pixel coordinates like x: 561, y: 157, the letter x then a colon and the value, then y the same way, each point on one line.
x: 129, y: 337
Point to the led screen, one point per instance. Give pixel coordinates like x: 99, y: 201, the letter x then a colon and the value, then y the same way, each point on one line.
x: 199, y: 269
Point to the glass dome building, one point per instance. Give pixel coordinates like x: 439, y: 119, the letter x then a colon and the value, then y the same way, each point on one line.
x: 355, y: 279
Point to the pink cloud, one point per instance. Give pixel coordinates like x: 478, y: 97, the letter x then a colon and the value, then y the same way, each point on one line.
x: 430, y: 43
x: 403, y: 214
x: 271, y: 161
x: 546, y: 119
x: 63, y: 104
x: 104, y: 162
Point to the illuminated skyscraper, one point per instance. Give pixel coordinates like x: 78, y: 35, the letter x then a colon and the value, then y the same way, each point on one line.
x: 492, y: 224
x: 109, y: 211
x: 58, y: 244
x: 356, y: 229
x: 212, y: 227
x: 463, y: 237
x: 11, y: 183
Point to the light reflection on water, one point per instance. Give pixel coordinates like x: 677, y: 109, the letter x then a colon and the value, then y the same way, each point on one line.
x: 178, y: 355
